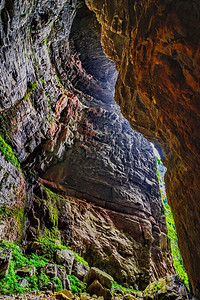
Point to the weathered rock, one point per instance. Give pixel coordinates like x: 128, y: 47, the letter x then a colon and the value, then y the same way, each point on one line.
x: 83, y: 297
x: 170, y: 287
x: 79, y: 142
x: 155, y: 46
x: 25, y: 271
x: 65, y: 258
x: 52, y: 270
x: 23, y: 282
x: 5, y: 257
x: 64, y: 294
x: 94, y: 273
x: 96, y: 288
x: 12, y: 198
x: 80, y: 270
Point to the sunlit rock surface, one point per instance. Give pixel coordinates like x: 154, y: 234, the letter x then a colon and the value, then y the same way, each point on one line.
x: 155, y: 45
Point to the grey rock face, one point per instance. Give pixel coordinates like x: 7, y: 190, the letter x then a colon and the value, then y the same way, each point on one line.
x: 65, y: 258
x: 80, y: 270
x: 26, y: 271
x: 12, y: 183
x: 5, y: 257
x: 52, y: 270
x: 57, y: 107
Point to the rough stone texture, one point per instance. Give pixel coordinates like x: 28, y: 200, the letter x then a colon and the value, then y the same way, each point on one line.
x: 25, y: 271
x: 155, y: 45
x: 170, y: 287
x: 65, y: 258
x: 12, y: 198
x: 80, y: 270
x: 94, y: 273
x: 5, y: 257
x: 96, y: 288
x: 64, y: 125
x: 52, y: 270
x: 128, y: 247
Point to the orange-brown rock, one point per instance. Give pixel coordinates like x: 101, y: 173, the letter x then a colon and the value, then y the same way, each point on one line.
x: 155, y: 45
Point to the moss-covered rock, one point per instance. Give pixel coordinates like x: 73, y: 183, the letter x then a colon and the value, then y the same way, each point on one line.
x: 169, y: 287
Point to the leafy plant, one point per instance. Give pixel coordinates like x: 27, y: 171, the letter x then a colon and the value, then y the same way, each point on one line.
x: 116, y: 286
x: 9, y: 284
x: 176, y: 255
x: 77, y: 286
x: 8, y: 153
x: 57, y: 283
x: 43, y: 280
x: 32, y: 87
x: 33, y: 282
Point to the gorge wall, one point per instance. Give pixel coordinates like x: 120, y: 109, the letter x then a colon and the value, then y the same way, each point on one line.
x: 60, y: 119
x: 155, y: 45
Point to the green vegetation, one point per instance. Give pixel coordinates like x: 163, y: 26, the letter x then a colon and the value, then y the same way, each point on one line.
x: 50, y: 245
x: 8, y: 153
x: 46, y: 41
x: 77, y: 286
x: 31, y: 88
x: 115, y: 286
x: 59, y: 83
x: 176, y: 255
x: 10, y: 283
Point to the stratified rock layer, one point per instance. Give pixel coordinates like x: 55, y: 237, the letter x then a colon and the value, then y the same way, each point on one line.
x: 155, y: 45
x: 62, y: 123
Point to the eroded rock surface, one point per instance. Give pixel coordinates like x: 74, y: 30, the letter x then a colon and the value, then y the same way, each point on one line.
x: 64, y: 125
x: 155, y: 45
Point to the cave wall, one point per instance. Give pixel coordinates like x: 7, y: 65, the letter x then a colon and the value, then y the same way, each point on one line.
x: 155, y: 45
x: 59, y: 116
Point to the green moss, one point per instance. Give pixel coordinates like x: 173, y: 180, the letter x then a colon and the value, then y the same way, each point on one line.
x: 8, y: 153
x: 32, y: 87
x: 77, y: 286
x: 50, y: 245
x: 46, y: 42
x: 172, y: 234
x: 116, y: 286
x: 59, y: 83
x: 9, y: 284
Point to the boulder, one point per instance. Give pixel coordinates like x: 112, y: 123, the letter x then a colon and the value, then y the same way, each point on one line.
x: 98, y: 289
x: 169, y: 287
x: 80, y: 270
x: 64, y: 294
x: 23, y: 282
x: 25, y: 271
x: 94, y: 273
x: 65, y: 258
x: 83, y: 297
x: 53, y: 270
x: 5, y: 257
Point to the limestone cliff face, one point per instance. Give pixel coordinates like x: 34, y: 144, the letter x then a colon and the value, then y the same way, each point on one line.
x: 155, y: 45
x: 59, y: 116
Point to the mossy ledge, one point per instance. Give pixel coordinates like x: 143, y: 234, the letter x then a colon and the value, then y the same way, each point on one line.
x: 7, y: 151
